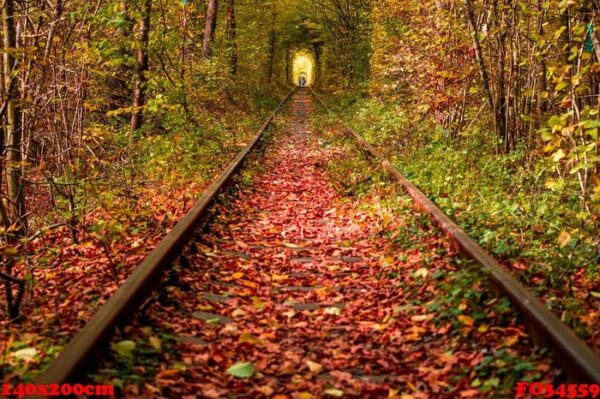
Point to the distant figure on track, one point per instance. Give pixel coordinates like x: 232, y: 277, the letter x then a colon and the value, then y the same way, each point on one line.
x: 302, y: 82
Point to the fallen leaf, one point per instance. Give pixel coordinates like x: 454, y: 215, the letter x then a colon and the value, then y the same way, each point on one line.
x: 510, y: 341
x: 421, y: 317
x: 25, y: 354
x: 250, y: 339
x: 266, y: 390
x: 393, y: 393
x: 466, y: 320
x: 469, y: 393
x: 564, y: 238
x: 422, y: 272
x: 279, y: 277
x: 338, y: 393
x: 124, y: 348
x: 333, y: 310
x: 241, y: 370
x: 237, y: 275
x: 314, y: 367
x: 155, y: 342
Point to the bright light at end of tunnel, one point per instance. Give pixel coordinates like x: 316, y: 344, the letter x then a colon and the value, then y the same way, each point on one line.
x: 304, y: 65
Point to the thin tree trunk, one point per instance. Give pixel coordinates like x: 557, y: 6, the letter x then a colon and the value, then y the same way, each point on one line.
x: 272, y: 43
x: 500, y: 111
x: 500, y: 103
x: 58, y: 10
x: 317, y: 76
x: 13, y: 129
x: 210, y: 27
x: 542, y: 70
x: 139, y: 93
x: 231, y: 37
x: 485, y: 77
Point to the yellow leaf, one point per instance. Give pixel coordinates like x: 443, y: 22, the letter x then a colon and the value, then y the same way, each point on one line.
x: 314, y: 367
x: 422, y: 272
x: 413, y: 337
x: 279, y: 277
x: 257, y: 303
x: 466, y: 320
x: 388, y: 261
x: 266, y: 390
x: 564, y: 238
x: 249, y: 284
x: 422, y: 317
x: 248, y: 338
x: 237, y: 275
x: 155, y: 342
x: 510, y: 341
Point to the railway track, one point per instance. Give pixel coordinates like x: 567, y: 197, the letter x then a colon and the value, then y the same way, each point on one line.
x: 576, y: 358
x: 80, y: 355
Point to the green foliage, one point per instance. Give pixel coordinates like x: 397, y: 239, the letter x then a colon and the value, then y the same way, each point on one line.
x: 504, y: 202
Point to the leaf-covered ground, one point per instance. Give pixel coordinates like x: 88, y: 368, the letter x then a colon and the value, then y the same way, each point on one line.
x: 71, y: 281
x: 68, y: 281
x: 302, y: 288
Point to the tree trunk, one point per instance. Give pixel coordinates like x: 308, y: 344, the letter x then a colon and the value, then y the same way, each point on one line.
x: 210, y: 27
x: 139, y: 92
x: 13, y: 129
x: 272, y: 43
x: 58, y: 10
x: 542, y: 70
x: 500, y: 111
x: 485, y: 78
x: 317, y: 77
x: 231, y: 37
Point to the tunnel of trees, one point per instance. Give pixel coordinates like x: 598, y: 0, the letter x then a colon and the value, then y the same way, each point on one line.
x: 77, y: 74
x: 116, y: 114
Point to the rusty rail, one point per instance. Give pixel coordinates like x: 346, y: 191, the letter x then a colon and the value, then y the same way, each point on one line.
x: 576, y: 358
x: 77, y: 355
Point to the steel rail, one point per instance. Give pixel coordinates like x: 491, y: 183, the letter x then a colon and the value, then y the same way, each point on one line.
x: 76, y: 358
x: 576, y: 358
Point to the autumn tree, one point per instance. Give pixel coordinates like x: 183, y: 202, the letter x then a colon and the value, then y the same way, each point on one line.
x: 139, y: 95
x: 12, y: 114
x: 231, y: 37
x: 210, y: 27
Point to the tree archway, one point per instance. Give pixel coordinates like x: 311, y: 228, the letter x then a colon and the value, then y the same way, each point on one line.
x: 303, y: 64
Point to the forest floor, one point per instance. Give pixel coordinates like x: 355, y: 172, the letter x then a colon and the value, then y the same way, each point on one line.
x: 305, y: 286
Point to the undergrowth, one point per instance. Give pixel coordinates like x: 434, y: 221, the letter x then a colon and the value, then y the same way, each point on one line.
x: 462, y: 289
x: 502, y: 201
